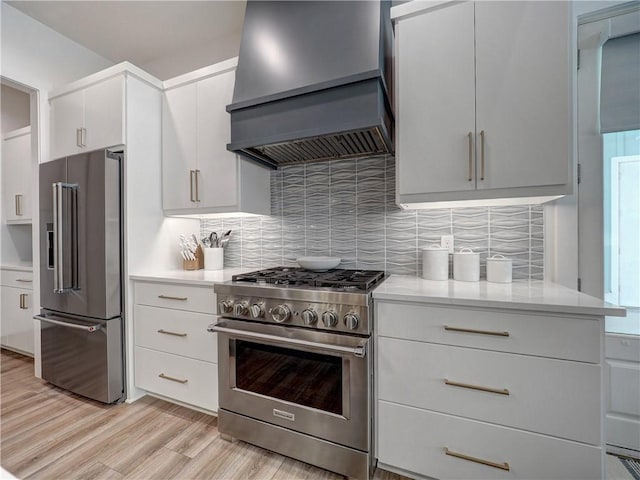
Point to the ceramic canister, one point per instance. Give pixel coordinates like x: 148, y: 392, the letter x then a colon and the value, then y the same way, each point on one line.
x: 435, y: 263
x: 499, y: 269
x: 213, y: 258
x: 466, y: 265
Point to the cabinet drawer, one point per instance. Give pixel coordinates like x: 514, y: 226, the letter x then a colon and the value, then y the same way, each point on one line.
x: 179, y: 297
x: 184, y: 379
x: 13, y: 278
x: 415, y: 440
x: 543, y: 335
x: 532, y: 393
x: 177, y: 332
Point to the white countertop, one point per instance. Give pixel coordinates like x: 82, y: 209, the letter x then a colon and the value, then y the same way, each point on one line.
x: 205, y: 278
x: 520, y: 295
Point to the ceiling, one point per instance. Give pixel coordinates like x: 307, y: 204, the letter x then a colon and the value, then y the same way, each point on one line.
x: 166, y: 38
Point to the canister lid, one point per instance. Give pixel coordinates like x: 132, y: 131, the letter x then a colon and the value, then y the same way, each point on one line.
x: 435, y: 248
x: 498, y: 258
x: 466, y: 251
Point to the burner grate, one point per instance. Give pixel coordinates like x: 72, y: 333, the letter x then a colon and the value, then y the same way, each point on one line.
x: 341, y: 279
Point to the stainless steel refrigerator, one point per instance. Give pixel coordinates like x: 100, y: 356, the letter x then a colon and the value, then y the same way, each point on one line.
x: 81, y: 255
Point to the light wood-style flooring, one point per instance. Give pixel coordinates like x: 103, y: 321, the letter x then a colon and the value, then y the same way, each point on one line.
x: 48, y: 433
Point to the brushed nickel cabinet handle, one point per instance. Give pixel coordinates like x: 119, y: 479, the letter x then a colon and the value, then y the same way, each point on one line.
x: 197, y: 193
x: 470, y: 176
x: 499, y: 391
x: 501, y: 466
x: 23, y: 280
x: 471, y: 330
x: 19, y: 205
x: 191, y: 174
x: 83, y: 137
x: 173, y: 379
x: 176, y: 334
x: 168, y: 297
x: 23, y: 301
x: 78, y: 137
x: 482, y: 155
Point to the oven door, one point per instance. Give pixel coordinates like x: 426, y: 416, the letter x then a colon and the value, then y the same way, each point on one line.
x: 312, y: 382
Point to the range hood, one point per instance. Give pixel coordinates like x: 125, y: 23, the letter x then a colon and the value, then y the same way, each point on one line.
x: 313, y: 82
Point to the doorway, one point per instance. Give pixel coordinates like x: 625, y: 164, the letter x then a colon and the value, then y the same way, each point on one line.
x: 609, y: 202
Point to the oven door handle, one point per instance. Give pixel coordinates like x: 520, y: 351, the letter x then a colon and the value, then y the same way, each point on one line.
x: 359, y: 351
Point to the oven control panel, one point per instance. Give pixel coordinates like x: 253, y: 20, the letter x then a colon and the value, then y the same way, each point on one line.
x: 322, y: 316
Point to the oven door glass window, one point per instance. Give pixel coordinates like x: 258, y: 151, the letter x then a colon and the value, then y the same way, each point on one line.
x: 310, y: 379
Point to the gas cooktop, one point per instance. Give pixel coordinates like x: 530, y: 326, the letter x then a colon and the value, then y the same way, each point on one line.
x: 339, y: 279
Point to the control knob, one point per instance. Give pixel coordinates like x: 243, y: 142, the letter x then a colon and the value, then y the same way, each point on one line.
x: 351, y: 321
x: 225, y: 306
x: 330, y: 319
x: 256, y: 310
x: 281, y: 313
x: 241, y: 308
x: 309, y: 317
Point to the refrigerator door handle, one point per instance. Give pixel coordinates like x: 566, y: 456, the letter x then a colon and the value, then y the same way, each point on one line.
x: 86, y: 328
x: 59, y: 227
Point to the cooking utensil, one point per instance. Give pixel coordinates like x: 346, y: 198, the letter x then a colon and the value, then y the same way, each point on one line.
x: 213, y: 240
x: 225, y: 239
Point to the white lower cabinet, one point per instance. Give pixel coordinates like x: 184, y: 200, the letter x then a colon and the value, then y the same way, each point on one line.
x: 175, y: 357
x: 463, y: 393
x: 16, y: 311
x: 418, y: 441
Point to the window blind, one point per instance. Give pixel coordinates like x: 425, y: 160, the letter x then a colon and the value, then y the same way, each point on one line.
x: 620, y: 84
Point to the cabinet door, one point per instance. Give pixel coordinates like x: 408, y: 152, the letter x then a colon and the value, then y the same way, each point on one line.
x: 16, y: 178
x: 66, y: 116
x: 179, y: 147
x: 522, y: 89
x: 16, y: 322
x: 218, y: 176
x: 104, y: 114
x: 435, y: 101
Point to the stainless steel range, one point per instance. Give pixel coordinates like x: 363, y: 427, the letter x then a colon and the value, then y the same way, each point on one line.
x: 295, y: 364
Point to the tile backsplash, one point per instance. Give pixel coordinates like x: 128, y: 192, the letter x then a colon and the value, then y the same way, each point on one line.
x: 346, y: 208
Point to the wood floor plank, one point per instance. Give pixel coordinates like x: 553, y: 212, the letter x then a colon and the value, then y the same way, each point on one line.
x: 291, y: 469
x: 163, y: 464
x: 195, y: 438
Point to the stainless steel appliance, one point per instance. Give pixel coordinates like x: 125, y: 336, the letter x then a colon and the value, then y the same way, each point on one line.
x: 81, y: 327
x: 295, y: 365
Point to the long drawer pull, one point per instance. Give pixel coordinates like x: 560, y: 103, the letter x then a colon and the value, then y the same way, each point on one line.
x: 173, y: 379
x: 499, y: 391
x: 168, y: 297
x: 501, y: 466
x: 23, y: 280
x: 176, y: 334
x: 471, y: 330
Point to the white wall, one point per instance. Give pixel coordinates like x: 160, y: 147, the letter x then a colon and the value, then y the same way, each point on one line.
x: 15, y: 109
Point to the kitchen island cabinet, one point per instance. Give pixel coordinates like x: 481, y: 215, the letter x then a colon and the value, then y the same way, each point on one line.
x: 199, y: 175
x: 16, y: 324
x: 483, y: 100
x: 507, y: 379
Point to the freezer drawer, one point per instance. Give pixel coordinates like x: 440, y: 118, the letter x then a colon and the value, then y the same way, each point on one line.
x: 83, y: 355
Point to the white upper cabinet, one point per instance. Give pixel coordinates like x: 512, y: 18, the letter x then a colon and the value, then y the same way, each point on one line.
x: 483, y: 100
x: 88, y: 119
x: 16, y: 176
x: 199, y: 175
